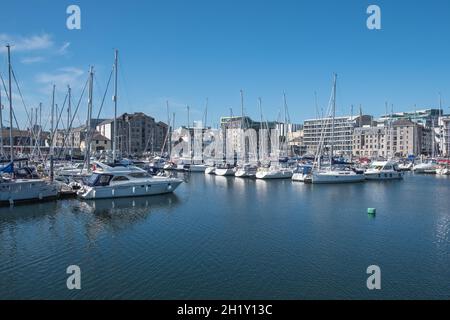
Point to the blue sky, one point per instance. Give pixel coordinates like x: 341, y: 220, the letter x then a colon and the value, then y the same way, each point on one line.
x: 185, y: 51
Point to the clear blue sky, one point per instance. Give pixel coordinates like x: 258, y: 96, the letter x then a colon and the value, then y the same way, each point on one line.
x: 185, y: 51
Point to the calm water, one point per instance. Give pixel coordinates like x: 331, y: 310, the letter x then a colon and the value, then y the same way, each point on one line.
x: 227, y: 238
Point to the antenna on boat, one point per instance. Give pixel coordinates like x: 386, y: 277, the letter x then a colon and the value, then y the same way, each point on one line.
x: 116, y: 57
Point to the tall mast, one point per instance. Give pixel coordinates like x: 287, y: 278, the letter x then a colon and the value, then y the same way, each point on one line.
x: 40, y: 128
x: 261, y: 150
x: 332, y: 120
x: 242, y: 109
x: 88, y: 124
x: 206, y: 112
x: 168, y: 139
x: 11, y: 150
x: 31, y: 130
x: 52, y: 133
x: 188, y: 118
x: 115, y: 104
x: 69, y: 117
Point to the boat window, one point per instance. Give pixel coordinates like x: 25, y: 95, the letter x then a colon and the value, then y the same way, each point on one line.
x: 120, y: 178
x: 92, y: 179
x: 103, y: 180
x: 139, y: 175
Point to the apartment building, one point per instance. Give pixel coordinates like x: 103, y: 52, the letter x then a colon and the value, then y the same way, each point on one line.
x: 317, y: 130
x: 137, y: 133
x: 400, y: 138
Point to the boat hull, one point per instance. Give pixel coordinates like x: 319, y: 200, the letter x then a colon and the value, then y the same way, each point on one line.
x: 384, y: 175
x: 27, y: 191
x: 274, y: 175
x: 301, y: 177
x: 135, y: 190
x: 224, y: 172
x: 335, y: 178
x: 210, y: 170
x: 197, y: 168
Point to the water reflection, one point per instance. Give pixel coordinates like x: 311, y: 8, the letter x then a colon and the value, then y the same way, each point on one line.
x: 116, y: 215
x: 26, y: 212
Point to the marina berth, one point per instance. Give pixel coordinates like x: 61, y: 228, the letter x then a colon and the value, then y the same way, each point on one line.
x: 117, y: 181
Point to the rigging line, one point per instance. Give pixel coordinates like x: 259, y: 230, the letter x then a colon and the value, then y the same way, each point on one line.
x: 55, y: 134
x: 123, y: 77
x: 74, y: 115
x: 104, y: 95
x: 20, y: 94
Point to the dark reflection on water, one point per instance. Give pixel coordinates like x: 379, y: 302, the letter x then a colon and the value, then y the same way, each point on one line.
x: 221, y: 237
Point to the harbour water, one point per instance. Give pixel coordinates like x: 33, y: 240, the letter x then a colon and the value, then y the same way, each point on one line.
x: 229, y: 238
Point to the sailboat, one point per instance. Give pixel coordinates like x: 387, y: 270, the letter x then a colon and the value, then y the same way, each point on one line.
x: 275, y: 171
x: 331, y: 174
x: 21, y: 190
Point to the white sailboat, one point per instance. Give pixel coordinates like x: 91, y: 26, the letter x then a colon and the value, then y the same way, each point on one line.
x: 330, y: 174
x: 21, y: 190
x: 224, y: 170
x: 274, y: 172
x: 210, y: 170
x: 246, y: 171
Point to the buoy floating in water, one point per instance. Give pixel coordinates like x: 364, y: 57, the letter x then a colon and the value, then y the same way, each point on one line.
x: 372, y: 211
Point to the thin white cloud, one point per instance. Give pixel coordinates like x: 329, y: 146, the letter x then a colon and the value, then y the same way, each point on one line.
x: 31, y: 60
x: 42, y: 43
x: 63, y: 49
x: 61, y: 78
x: 24, y: 44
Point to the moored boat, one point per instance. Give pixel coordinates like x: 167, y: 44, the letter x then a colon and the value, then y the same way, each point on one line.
x: 116, y: 181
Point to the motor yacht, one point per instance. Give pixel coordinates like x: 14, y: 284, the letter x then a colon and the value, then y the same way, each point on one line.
x: 383, y: 170
x: 116, y: 181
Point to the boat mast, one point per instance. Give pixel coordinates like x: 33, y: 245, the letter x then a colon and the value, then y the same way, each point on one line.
x: 169, y: 132
x: 11, y: 150
x: 40, y: 128
x: 88, y: 125
x: 242, y: 109
x: 52, y: 133
x: 69, y: 116
x: 261, y: 124
x: 332, y: 121
x: 206, y: 112
x: 31, y: 131
x: 115, y: 104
